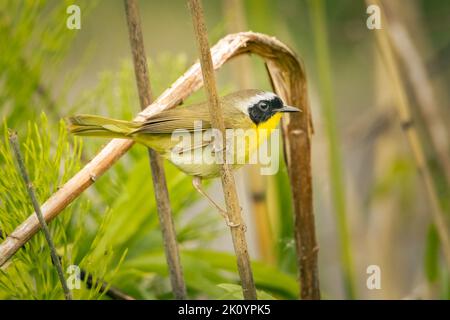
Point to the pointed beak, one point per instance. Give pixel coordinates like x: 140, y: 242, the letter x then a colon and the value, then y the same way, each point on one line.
x: 289, y: 109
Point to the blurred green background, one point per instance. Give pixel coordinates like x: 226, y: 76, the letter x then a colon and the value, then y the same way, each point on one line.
x: 370, y: 204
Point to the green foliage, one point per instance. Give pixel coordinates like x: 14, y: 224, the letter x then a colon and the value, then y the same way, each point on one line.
x: 234, y: 292
x: 434, y: 270
x: 30, y: 274
x: 338, y: 187
x: 206, y: 270
x: 432, y: 254
x: 34, y: 41
x: 285, y: 245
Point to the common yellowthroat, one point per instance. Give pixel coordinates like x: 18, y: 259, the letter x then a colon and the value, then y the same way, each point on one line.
x: 246, y: 109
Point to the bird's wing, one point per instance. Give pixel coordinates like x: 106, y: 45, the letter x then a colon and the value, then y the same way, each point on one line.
x: 191, y: 118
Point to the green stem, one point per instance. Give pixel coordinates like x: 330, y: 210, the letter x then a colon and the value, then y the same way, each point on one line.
x: 16, y: 148
x: 317, y: 10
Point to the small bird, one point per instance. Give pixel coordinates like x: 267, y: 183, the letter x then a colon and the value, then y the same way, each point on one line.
x: 245, y: 109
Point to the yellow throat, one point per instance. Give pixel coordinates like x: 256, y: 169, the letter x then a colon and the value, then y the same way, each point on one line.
x: 263, y: 132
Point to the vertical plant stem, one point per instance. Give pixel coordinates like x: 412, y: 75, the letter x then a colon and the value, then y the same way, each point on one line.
x: 403, y: 109
x: 236, y: 22
x: 336, y: 167
x: 288, y: 78
x: 228, y: 183
x: 156, y: 163
x: 37, y: 209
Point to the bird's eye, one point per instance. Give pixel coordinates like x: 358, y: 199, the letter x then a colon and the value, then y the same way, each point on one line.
x: 263, y: 106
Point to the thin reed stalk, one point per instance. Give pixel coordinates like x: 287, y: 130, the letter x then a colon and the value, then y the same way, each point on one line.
x: 48, y: 237
x: 228, y: 183
x: 156, y: 163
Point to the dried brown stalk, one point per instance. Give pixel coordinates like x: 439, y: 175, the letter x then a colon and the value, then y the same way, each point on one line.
x: 290, y: 78
x: 156, y: 163
x: 228, y: 183
x: 289, y: 81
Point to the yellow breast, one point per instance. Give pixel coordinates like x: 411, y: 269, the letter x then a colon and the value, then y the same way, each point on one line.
x: 263, y: 131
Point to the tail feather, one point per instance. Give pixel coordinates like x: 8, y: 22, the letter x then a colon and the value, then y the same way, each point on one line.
x: 90, y: 125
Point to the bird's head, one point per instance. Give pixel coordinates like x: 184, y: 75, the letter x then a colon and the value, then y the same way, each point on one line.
x: 260, y: 106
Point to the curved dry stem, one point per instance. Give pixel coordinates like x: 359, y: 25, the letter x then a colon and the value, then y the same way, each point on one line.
x: 289, y: 79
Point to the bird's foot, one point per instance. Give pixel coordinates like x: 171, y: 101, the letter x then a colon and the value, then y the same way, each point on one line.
x: 227, y: 219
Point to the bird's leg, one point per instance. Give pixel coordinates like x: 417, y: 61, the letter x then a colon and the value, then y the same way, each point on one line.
x: 197, y: 183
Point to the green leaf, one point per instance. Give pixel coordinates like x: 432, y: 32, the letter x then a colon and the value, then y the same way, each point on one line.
x: 266, y: 277
x: 234, y: 292
x: 432, y: 254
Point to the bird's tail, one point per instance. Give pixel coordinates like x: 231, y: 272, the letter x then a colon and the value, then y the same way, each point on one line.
x: 89, y: 125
